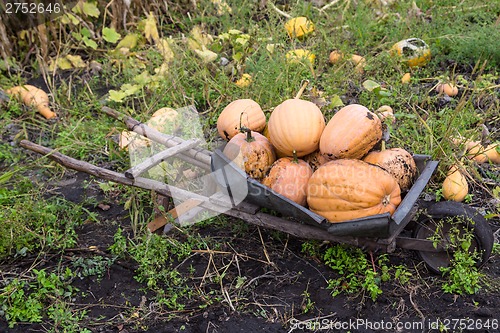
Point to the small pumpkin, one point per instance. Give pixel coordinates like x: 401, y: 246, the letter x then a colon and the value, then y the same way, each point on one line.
x: 455, y: 185
x: 240, y: 113
x: 251, y: 152
x: 296, y: 125
x: 476, y: 152
x: 347, y: 189
x: 335, y: 57
x: 493, y: 153
x: 165, y: 120
x: 386, y: 112
x: 448, y: 89
x: 398, y: 162
x: 288, y: 176
x: 414, y: 51
x: 351, y: 133
x: 299, y: 27
x: 33, y: 96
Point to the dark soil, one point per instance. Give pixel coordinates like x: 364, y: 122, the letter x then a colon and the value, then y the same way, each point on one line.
x: 274, y: 301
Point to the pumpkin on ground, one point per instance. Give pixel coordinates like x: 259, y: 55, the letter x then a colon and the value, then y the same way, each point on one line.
x: 351, y: 133
x: 240, y: 113
x: 251, y: 152
x: 288, y: 176
x: 296, y: 125
x: 455, y: 185
x: 347, y: 189
x: 398, y: 162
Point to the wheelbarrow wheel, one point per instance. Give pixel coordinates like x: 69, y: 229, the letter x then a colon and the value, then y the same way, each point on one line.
x: 448, y: 223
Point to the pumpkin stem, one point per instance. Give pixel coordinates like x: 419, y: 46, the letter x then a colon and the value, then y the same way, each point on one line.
x: 302, y: 88
x: 383, y: 146
x: 249, y: 138
x: 242, y: 128
x: 295, y: 158
x: 386, y: 200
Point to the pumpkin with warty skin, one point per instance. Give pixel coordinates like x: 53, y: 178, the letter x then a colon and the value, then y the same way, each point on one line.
x: 351, y: 133
x: 348, y: 189
x: 240, y: 113
x: 315, y: 159
x: 251, y: 152
x: 398, y: 162
x: 289, y: 176
x: 296, y: 126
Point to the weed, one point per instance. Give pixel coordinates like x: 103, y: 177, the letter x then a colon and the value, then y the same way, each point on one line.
x: 34, y: 224
x: 463, y: 277
x: 32, y: 300
x: 95, y: 266
x: 356, y: 272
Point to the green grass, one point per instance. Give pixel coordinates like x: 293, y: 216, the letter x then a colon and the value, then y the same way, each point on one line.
x: 462, y: 39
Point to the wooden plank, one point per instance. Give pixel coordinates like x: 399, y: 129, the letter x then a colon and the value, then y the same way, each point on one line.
x: 179, y: 210
x: 156, y: 159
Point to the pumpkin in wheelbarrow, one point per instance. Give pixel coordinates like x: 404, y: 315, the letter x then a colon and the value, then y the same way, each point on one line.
x: 288, y: 176
x: 348, y: 189
x: 251, y: 152
x: 351, y: 133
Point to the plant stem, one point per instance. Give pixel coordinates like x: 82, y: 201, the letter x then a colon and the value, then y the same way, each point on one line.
x: 302, y: 88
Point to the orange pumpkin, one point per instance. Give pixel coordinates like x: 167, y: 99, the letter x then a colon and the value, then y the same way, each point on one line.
x: 289, y: 176
x: 296, y: 125
x: 315, y: 159
x: 455, y: 185
x: 251, y: 152
x: 351, y: 133
x: 398, y: 162
x: 240, y: 113
x: 347, y: 189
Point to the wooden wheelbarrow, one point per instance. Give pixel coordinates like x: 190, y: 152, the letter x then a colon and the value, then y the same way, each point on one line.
x: 415, y: 225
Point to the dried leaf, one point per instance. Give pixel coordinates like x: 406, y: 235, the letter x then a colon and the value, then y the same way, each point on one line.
x: 164, y: 48
x: 69, y: 18
x: 222, y: 7
x: 244, y: 81
x: 150, y: 29
x: 206, y: 55
x: 76, y: 61
x: 198, y: 38
x: 61, y: 63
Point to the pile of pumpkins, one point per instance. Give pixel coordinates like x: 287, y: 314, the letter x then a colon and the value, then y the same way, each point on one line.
x: 328, y: 167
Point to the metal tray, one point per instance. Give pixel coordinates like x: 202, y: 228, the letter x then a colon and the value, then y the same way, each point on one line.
x: 233, y: 180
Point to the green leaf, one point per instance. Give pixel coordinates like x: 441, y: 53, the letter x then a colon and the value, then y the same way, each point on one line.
x: 371, y: 85
x: 130, y: 89
x: 86, y: 32
x: 110, y: 35
x: 143, y: 78
x: 69, y: 18
x: 86, y: 8
x: 89, y: 42
x: 76, y: 35
x: 129, y: 41
x: 117, y: 96
x: 336, y: 101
